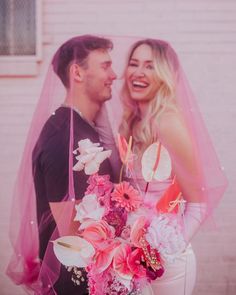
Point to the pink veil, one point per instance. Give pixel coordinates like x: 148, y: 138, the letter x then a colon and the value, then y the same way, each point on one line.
x: 209, y: 183
x: 24, y: 267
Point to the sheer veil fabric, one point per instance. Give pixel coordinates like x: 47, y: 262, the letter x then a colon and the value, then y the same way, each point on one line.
x: 25, y: 267
x: 209, y: 182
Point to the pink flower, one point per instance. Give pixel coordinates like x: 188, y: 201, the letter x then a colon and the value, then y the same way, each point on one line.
x: 103, y: 257
x: 126, y: 155
x: 89, y: 208
x: 97, y: 233
x: 125, y: 234
x: 127, y: 263
x: 120, y: 263
x: 117, y: 218
x: 153, y: 274
x: 126, y: 196
x: 134, y: 261
x: 101, y: 186
x: 157, y: 270
x: 138, y: 230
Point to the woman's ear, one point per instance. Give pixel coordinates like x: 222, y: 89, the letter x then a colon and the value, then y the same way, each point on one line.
x: 76, y: 72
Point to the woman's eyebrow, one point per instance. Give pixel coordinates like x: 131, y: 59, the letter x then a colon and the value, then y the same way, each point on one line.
x: 136, y: 60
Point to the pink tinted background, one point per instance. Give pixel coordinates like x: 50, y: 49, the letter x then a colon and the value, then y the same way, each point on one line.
x: 203, y: 34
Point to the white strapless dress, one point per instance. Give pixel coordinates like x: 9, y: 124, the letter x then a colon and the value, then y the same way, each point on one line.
x: 179, y: 276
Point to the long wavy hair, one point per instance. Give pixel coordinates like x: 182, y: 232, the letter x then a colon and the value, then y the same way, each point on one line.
x: 144, y: 130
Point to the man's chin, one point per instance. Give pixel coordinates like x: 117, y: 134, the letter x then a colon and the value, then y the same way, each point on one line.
x: 101, y: 101
x: 108, y: 97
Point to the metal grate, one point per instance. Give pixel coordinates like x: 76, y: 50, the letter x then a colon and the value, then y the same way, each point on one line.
x: 17, y: 27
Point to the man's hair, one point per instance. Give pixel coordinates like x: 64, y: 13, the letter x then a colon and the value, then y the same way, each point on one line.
x: 76, y: 50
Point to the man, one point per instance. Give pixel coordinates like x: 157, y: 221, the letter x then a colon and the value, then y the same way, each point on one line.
x: 84, y: 67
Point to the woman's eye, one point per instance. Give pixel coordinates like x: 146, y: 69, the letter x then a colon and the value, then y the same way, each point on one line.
x: 132, y: 65
x: 150, y: 67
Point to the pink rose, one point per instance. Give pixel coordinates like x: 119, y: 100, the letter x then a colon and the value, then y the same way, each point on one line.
x: 101, y: 186
x: 89, y: 208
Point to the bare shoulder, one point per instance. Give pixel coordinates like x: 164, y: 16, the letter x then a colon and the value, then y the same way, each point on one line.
x: 176, y: 137
x: 171, y: 123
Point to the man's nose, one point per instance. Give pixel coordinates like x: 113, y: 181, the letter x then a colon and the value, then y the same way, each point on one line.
x: 113, y: 75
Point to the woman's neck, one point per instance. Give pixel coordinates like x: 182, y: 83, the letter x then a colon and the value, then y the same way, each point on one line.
x: 143, y: 108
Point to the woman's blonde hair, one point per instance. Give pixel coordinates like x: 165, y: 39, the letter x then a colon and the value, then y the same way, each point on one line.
x: 145, y: 130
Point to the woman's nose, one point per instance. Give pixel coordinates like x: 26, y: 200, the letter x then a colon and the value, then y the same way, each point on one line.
x: 139, y: 72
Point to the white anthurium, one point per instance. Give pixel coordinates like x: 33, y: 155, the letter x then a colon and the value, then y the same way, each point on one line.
x: 85, y: 224
x: 89, y: 208
x: 91, y: 155
x: 73, y: 251
x: 149, y: 158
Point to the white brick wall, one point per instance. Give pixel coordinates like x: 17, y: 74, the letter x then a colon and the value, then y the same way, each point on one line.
x: 204, y: 35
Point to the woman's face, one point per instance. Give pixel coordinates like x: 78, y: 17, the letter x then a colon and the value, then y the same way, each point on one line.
x: 141, y: 76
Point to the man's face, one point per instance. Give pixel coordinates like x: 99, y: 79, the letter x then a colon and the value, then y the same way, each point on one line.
x: 98, y: 76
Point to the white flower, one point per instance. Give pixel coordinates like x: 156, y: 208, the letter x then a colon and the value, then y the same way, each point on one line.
x: 89, y: 208
x: 134, y: 215
x: 73, y: 251
x: 91, y: 155
x: 154, y: 167
x: 164, y: 234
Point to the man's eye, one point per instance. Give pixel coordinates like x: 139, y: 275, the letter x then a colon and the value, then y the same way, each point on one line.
x: 105, y: 67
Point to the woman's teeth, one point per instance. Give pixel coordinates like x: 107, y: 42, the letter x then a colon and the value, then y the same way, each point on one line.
x: 139, y: 84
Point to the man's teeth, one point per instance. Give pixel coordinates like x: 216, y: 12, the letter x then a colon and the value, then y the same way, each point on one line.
x: 139, y: 84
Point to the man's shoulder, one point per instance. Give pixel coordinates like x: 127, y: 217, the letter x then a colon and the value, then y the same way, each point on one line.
x: 56, y: 123
x: 53, y: 133
x: 56, y: 131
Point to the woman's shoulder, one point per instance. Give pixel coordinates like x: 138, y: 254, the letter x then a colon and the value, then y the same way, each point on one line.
x: 170, y: 122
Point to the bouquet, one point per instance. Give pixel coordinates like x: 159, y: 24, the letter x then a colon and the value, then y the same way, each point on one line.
x: 119, y: 243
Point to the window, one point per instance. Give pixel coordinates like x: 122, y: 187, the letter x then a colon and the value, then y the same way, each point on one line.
x: 20, y: 34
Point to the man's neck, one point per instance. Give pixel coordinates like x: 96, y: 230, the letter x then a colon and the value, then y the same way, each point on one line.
x: 88, y: 109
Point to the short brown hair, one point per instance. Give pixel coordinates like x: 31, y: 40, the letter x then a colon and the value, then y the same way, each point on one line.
x: 76, y: 49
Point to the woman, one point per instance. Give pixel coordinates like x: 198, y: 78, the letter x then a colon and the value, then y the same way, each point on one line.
x: 159, y: 108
